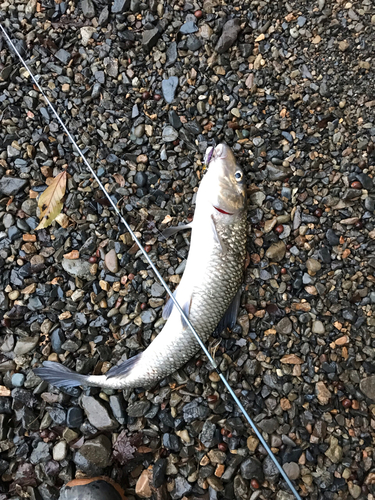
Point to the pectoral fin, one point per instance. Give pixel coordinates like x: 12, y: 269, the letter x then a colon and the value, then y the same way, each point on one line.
x: 230, y: 317
x: 170, y: 231
x: 217, y: 237
x: 184, y: 299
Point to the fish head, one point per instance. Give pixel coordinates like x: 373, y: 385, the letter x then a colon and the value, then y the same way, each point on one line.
x: 224, y: 183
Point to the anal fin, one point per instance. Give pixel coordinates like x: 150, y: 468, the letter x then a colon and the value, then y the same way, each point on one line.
x: 217, y: 237
x: 230, y: 317
x: 184, y: 299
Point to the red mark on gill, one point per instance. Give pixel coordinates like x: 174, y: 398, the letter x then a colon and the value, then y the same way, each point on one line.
x: 222, y: 211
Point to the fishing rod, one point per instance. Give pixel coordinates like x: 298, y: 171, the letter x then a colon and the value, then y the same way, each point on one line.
x: 154, y: 268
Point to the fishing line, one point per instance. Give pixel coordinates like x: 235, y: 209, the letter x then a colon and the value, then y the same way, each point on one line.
x: 153, y: 267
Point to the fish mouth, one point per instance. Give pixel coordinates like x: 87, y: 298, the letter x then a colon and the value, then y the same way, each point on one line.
x: 222, y: 211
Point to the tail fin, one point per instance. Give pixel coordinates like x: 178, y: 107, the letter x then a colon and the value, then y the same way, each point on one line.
x: 59, y: 375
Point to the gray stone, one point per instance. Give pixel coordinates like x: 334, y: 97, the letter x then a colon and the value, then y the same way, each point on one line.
x: 292, y: 470
x: 229, y: 35
x: 367, y: 386
x: 40, y: 453
x: 25, y: 345
x: 10, y: 186
x: 77, y: 268
x: 169, y: 134
x: 172, y: 54
x: 94, y: 455
x: 97, y: 414
x: 181, y: 488
x: 169, y: 87
x: 284, y: 326
x: 269, y: 425
x: 251, y: 468
x: 138, y: 409
x: 149, y: 38
x: 148, y: 316
x: 208, y: 434
x: 270, y: 470
x: 88, y: 9
x: 120, y: 6
x: 63, y: 56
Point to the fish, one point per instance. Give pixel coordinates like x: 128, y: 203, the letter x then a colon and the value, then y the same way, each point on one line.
x: 209, y: 292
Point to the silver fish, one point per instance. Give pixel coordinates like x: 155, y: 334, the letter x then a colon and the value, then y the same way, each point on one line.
x: 208, y: 292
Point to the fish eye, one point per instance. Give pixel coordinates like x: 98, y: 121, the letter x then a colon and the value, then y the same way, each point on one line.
x: 238, y: 175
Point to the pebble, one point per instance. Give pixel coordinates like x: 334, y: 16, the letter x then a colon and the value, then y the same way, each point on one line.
x: 367, y: 386
x: 97, y: 414
x: 10, y: 186
x: 111, y: 261
x: 18, y: 379
x: 318, y: 328
x: 94, y: 455
x: 276, y: 251
x: 229, y: 35
x: 60, y: 451
x: 77, y: 268
x: 292, y: 470
x: 169, y: 87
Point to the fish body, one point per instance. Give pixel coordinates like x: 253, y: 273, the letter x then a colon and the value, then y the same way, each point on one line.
x: 208, y: 290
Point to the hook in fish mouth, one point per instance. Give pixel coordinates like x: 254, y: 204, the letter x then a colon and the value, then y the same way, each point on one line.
x: 208, y: 157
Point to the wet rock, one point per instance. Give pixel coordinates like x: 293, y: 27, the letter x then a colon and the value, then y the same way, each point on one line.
x: 292, y: 470
x: 251, y: 468
x: 276, y: 251
x: 181, y: 488
x: 118, y: 408
x: 208, y: 435
x: 334, y: 452
x: 241, y: 488
x: 138, y: 409
x: 40, y: 453
x: 171, y: 442
x: 270, y: 470
x: 229, y: 35
x: 111, y: 261
x: 269, y: 425
x: 60, y: 451
x: 74, y: 417
x: 284, y: 326
x: 10, y: 186
x: 77, y: 268
x: 169, y: 134
x: 150, y: 37
x: 120, y: 6
x: 25, y: 345
x: 159, y: 472
x: 367, y: 386
x: 318, y: 328
x: 94, y: 455
x: 97, y: 414
x: 169, y: 87
x: 142, y: 488
x: 88, y: 9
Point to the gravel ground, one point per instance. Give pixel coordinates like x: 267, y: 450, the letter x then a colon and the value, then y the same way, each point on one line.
x: 145, y: 87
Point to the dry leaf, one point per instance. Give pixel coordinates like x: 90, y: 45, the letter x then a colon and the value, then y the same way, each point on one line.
x: 50, y: 201
x: 73, y: 255
x: 119, y: 179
